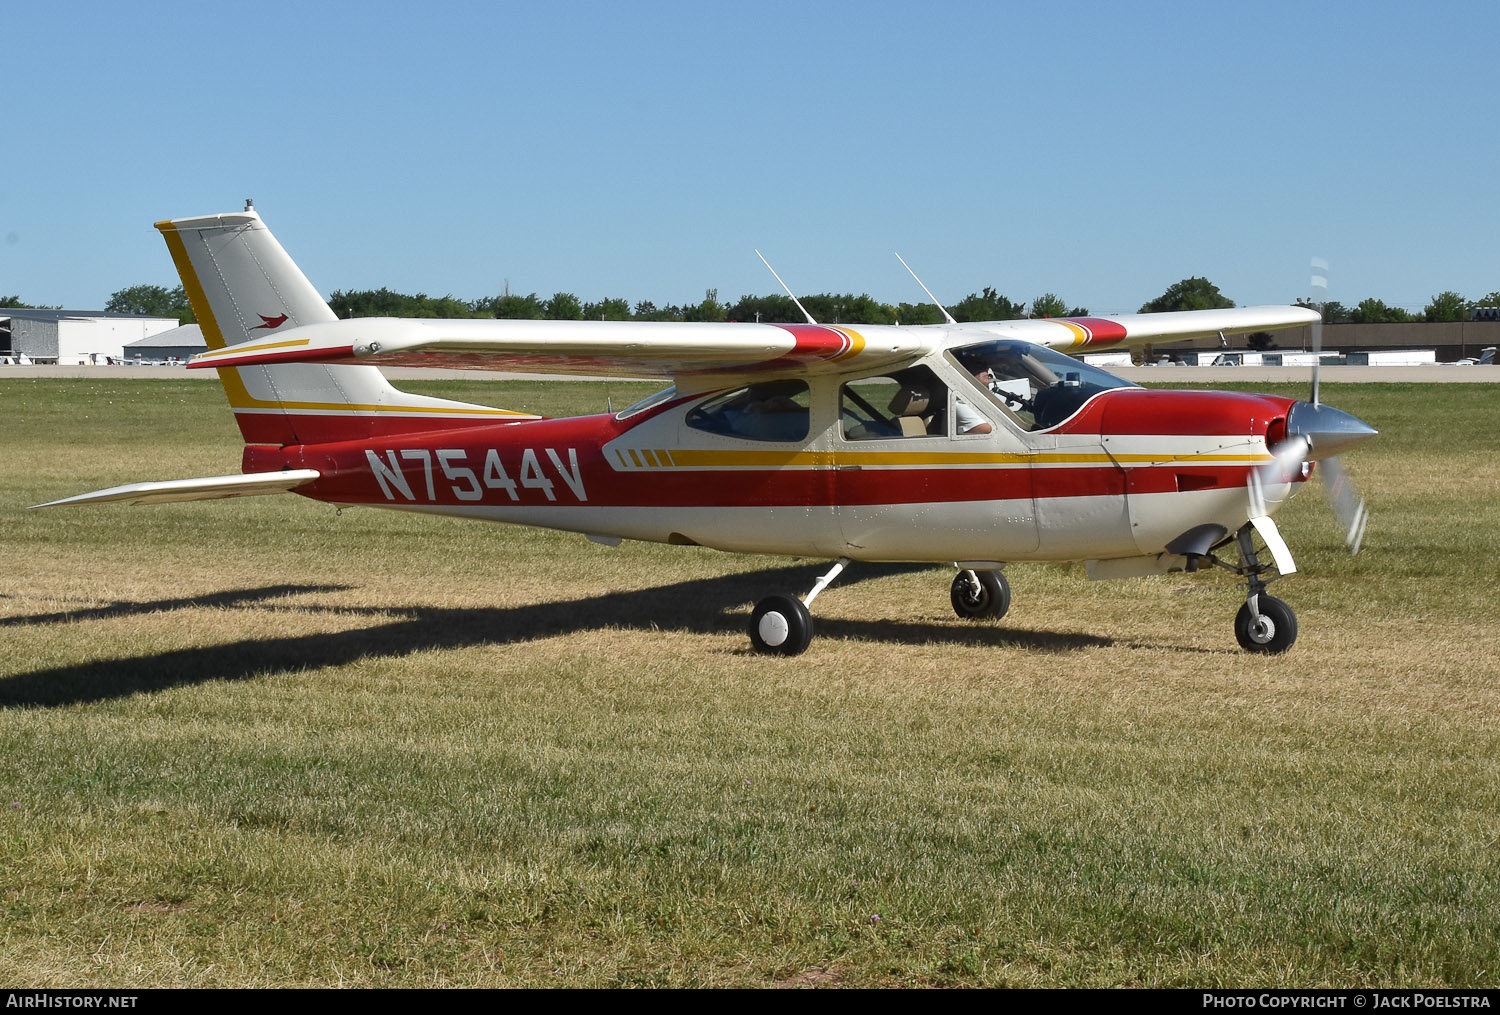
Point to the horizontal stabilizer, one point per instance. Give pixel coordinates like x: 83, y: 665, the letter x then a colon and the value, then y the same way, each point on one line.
x: 207, y: 488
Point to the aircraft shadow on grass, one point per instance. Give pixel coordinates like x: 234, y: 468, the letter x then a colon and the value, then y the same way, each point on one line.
x: 696, y: 606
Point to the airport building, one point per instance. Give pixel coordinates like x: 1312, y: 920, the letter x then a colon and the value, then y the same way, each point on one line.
x: 73, y: 337
x: 1449, y: 341
x: 176, y: 346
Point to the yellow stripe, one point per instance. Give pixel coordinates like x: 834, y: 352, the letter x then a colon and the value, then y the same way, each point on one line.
x: 239, y: 349
x: 1080, y: 336
x: 856, y: 344
x: 790, y: 459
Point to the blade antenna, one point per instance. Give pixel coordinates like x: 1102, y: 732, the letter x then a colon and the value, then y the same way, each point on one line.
x: 1319, y: 300
x: 947, y: 316
x: 784, y: 286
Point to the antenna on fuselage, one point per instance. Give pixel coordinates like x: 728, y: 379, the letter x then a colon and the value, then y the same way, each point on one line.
x: 946, y: 315
x: 784, y: 286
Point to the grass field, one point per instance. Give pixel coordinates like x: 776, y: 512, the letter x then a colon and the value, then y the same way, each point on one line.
x: 263, y: 743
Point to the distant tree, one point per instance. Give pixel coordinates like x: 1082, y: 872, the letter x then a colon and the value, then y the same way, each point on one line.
x: 1374, y: 311
x: 986, y: 306
x: 1260, y: 340
x: 563, y: 307
x: 607, y: 310
x: 1049, y: 305
x: 515, y: 307
x: 1189, y: 294
x: 709, y: 310
x: 919, y: 313
x: 151, y: 301
x: 1335, y: 312
x: 16, y: 303
x: 1492, y: 300
x: 773, y: 309
x: 847, y: 308
x: 648, y: 311
x: 385, y: 302
x: 1446, y: 306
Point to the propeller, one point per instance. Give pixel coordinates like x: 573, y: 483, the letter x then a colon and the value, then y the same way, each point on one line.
x: 1316, y: 433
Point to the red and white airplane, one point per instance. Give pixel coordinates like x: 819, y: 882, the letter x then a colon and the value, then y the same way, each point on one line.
x: 974, y: 444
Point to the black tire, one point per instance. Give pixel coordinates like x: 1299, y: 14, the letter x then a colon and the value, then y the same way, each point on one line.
x: 781, y: 625
x: 1274, y: 634
x: 989, y: 602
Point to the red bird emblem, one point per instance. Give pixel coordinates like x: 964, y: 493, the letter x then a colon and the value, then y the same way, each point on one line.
x: 271, y: 322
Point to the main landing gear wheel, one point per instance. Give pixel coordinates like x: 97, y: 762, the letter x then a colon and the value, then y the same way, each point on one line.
x: 988, y: 600
x: 1272, y: 632
x: 781, y: 625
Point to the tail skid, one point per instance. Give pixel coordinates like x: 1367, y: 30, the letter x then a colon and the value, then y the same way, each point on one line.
x: 243, y: 286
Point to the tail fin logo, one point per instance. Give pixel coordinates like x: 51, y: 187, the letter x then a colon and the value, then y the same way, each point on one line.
x: 271, y: 323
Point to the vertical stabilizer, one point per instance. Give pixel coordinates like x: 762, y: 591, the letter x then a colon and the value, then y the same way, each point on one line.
x: 242, y: 285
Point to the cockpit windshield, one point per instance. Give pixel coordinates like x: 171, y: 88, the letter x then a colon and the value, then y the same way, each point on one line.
x: 1038, y: 387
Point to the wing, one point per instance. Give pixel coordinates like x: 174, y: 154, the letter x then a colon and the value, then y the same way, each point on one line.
x: 207, y: 488
x: 612, y: 348
x: 1093, y: 334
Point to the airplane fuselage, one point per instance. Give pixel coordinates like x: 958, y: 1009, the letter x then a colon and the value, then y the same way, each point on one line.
x: 1125, y: 475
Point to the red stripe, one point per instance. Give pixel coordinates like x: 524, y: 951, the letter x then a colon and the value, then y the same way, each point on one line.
x: 815, y: 342
x: 314, y: 355
x: 1102, y: 330
x: 310, y: 428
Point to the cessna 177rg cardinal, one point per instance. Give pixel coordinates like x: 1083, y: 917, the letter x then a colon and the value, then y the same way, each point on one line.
x: 974, y: 444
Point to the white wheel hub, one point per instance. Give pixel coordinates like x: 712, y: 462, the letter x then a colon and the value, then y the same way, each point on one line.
x: 1263, y: 630
x: 774, y: 629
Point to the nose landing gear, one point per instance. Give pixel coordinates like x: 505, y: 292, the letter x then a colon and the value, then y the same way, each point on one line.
x: 1263, y: 623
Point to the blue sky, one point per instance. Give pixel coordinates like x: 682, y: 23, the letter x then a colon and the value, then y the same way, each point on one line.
x: 1100, y: 151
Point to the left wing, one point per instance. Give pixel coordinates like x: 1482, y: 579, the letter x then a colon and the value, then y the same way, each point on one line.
x: 615, y: 348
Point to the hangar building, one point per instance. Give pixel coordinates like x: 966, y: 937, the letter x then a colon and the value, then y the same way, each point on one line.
x: 73, y: 337
x: 178, y: 345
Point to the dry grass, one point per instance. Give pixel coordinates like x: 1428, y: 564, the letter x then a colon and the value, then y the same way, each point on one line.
x: 260, y: 743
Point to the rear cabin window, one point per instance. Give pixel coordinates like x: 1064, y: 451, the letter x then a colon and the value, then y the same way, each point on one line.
x: 768, y: 411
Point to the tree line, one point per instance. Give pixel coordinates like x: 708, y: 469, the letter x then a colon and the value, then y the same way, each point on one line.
x: 829, y: 308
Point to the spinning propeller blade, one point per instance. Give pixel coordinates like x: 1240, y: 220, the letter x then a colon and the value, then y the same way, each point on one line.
x: 1317, y: 432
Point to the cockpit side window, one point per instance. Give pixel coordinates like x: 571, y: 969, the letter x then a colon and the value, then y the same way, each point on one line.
x: 768, y: 411
x: 1037, y: 386
x: 908, y: 403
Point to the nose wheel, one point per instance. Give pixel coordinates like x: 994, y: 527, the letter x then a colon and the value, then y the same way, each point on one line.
x: 1265, y: 624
